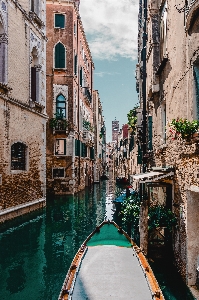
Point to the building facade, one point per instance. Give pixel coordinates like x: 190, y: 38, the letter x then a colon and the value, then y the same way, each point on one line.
x: 170, y: 90
x: 70, y: 130
x: 22, y: 106
x: 99, y: 138
x: 115, y: 130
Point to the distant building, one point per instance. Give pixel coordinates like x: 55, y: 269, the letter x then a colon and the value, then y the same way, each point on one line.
x: 115, y: 130
x: 70, y: 106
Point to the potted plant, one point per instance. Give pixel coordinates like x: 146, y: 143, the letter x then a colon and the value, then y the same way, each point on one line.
x: 58, y: 122
x: 183, y: 128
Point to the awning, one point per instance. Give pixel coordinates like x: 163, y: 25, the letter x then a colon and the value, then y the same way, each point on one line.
x: 152, y: 176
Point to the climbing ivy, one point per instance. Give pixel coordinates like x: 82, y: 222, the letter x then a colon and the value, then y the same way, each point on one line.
x: 132, y: 119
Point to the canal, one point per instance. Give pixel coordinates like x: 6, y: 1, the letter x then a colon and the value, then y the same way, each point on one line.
x: 36, y: 250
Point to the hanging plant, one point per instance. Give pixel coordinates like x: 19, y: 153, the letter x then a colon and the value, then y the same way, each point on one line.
x: 183, y: 128
x: 161, y: 216
x: 87, y: 125
x: 131, y: 210
x: 58, y: 123
x: 132, y: 119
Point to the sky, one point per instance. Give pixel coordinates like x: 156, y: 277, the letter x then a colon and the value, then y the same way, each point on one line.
x: 111, y: 31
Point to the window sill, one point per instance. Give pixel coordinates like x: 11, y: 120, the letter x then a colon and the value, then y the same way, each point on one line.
x: 36, y: 106
x: 18, y: 171
x: 57, y: 28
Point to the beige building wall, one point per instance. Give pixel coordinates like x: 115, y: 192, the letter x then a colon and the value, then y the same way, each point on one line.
x: 171, y: 93
x: 22, y: 120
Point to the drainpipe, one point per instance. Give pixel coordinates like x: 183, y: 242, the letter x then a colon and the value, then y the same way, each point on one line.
x: 144, y: 207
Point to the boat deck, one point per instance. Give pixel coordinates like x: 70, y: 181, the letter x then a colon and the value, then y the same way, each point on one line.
x: 111, y: 272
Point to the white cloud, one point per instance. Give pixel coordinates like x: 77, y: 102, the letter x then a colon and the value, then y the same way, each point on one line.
x: 111, y: 27
x: 102, y: 74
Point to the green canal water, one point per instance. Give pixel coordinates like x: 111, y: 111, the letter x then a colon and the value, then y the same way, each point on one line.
x: 36, y: 250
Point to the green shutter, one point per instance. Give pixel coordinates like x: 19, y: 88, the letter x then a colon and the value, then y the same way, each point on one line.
x: 75, y: 64
x: 92, y: 153
x: 139, y: 155
x: 59, y: 56
x: 59, y: 20
x: 77, y: 147
x: 80, y: 77
x: 131, y: 145
x: 150, y: 132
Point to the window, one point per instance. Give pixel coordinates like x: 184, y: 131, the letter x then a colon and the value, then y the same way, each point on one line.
x: 74, y: 28
x: 163, y: 32
x: 59, y: 21
x: 61, y: 106
x: 35, y: 7
x: 81, y: 76
x: 58, y: 173
x: 18, y: 156
x: 60, y: 56
x: 35, y: 68
x: 60, y: 147
x: 75, y: 64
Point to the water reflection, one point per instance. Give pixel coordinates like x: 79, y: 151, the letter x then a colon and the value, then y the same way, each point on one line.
x: 36, y: 250
x: 36, y: 253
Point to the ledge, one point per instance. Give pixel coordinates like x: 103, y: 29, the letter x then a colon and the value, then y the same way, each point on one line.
x: 21, y: 209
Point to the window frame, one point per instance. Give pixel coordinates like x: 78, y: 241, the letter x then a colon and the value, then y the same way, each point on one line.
x: 55, y: 145
x: 60, y: 108
x: 62, y: 14
x: 24, y: 168
x: 59, y: 168
x: 54, y: 56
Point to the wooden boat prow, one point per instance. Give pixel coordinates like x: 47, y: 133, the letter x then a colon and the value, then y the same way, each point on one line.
x: 110, y: 265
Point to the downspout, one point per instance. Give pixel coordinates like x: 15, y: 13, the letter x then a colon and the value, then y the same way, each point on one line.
x: 143, y: 220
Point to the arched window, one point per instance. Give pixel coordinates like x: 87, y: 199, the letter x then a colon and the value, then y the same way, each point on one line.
x: 60, y: 56
x: 18, y: 156
x: 61, y: 106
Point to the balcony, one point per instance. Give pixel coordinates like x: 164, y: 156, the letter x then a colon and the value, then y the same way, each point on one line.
x: 58, y: 125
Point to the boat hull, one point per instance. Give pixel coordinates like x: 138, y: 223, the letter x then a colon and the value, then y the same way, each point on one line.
x: 109, y: 265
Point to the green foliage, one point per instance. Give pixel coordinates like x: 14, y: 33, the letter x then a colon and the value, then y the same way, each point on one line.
x: 132, y: 119
x: 131, y: 210
x: 160, y: 216
x: 87, y: 125
x: 183, y: 127
x: 58, y: 122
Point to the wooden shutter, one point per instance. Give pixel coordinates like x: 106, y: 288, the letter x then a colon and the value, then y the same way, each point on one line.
x: 75, y: 64
x: 80, y: 75
x: 59, y: 20
x: 33, y: 84
x: 59, y: 56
